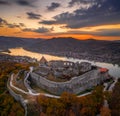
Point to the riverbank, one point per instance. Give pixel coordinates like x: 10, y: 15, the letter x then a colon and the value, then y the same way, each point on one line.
x: 21, y: 55
x: 91, y: 57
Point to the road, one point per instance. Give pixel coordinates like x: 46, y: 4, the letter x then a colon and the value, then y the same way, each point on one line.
x: 110, y: 89
x: 36, y: 94
x: 112, y: 85
x: 30, y: 91
x: 25, y: 81
x: 18, y: 89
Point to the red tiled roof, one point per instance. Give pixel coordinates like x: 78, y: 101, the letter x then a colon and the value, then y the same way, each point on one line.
x: 103, y: 69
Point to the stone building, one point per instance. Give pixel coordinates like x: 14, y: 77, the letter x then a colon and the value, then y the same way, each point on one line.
x: 61, y: 64
x: 43, y: 61
x: 76, y: 83
x: 85, y: 66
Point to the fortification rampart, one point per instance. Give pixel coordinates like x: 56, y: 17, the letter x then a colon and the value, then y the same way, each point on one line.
x: 75, y: 85
x: 17, y: 97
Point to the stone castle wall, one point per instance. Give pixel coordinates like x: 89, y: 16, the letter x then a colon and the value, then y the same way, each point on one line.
x: 17, y: 97
x: 75, y: 85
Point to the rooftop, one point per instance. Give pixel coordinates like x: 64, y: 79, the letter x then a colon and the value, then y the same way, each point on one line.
x: 43, y: 60
x: 103, y: 70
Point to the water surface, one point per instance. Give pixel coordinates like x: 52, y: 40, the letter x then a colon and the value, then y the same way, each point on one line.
x: 114, y: 70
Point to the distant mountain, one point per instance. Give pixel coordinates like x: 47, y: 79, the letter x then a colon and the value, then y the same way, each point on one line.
x: 64, y: 46
x: 91, y: 39
x: 91, y: 49
x: 69, y: 45
x: 117, y: 41
x: 12, y: 42
x: 56, y: 45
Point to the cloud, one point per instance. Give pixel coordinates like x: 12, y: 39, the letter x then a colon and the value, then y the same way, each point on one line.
x: 42, y: 30
x: 78, y: 2
x: 58, y: 19
x: 13, y: 25
x: 38, y: 30
x: 99, y: 32
x: 108, y: 32
x: 27, y: 29
x: 100, y: 13
x: 29, y: 3
x: 25, y: 2
x: 22, y: 24
x: 53, y: 6
x: 32, y: 15
x: 10, y: 25
x: 48, y: 22
x: 3, y: 22
x: 2, y: 2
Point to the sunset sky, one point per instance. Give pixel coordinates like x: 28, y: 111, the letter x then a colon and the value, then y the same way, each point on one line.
x: 82, y: 19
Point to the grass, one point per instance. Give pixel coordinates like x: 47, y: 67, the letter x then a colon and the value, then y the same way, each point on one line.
x: 56, y: 79
x: 19, y: 84
x: 37, y: 89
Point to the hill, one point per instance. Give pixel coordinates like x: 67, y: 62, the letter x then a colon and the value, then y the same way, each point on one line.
x: 61, y: 45
x: 91, y: 49
x: 12, y: 42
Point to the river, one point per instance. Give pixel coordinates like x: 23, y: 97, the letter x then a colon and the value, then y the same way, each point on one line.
x: 114, y: 70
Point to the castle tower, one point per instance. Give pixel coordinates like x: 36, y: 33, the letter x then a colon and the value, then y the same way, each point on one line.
x: 43, y: 61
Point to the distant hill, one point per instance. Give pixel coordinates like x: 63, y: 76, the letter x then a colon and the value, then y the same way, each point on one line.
x: 73, y: 45
x: 12, y: 42
x: 117, y: 41
x: 99, y: 49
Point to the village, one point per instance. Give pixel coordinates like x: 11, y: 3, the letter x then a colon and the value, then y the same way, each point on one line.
x: 19, y: 59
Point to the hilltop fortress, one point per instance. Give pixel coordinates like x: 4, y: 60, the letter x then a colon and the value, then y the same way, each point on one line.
x: 59, y: 76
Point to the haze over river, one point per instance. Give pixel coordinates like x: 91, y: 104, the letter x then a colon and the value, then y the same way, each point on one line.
x: 114, y: 70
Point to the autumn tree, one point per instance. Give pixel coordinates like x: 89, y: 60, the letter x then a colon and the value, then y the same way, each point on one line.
x: 98, y: 96
x: 104, y: 111
x: 51, y: 106
x: 114, y: 102
x: 8, y: 106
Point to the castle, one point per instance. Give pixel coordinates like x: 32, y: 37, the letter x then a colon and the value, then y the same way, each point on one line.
x: 59, y: 76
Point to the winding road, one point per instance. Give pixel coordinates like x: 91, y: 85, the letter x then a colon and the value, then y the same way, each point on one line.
x: 112, y: 85
x: 36, y: 94
x: 30, y: 91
